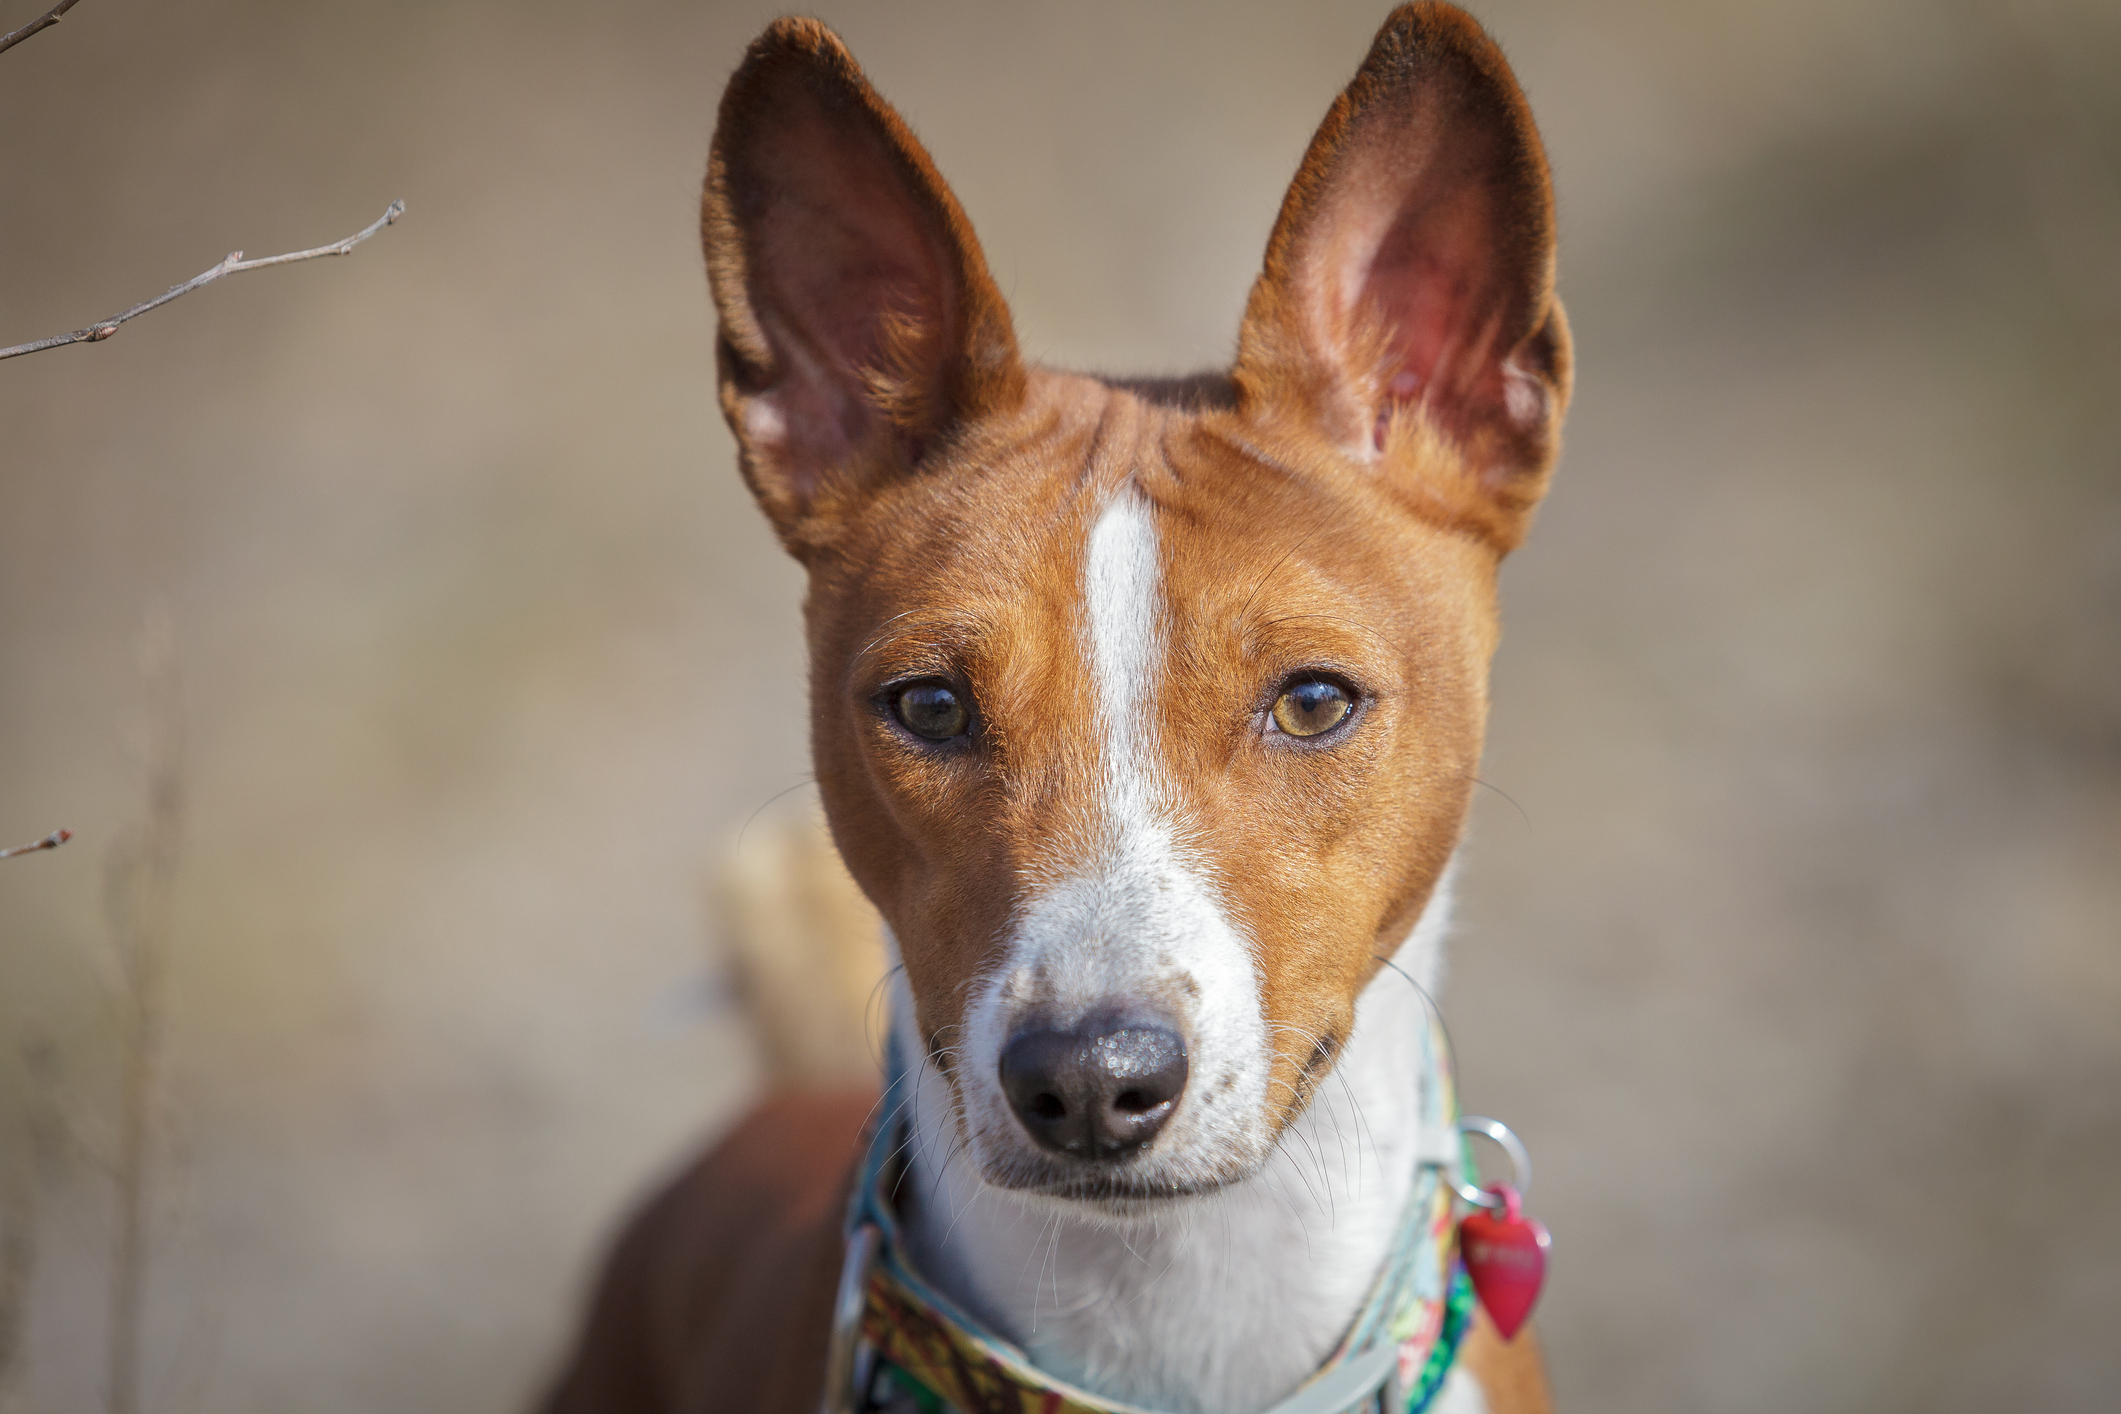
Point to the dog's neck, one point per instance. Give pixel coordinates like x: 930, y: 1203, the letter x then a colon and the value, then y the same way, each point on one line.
x: 1227, y: 1301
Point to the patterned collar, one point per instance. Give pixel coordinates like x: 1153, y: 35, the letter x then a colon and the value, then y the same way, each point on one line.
x: 894, y: 1334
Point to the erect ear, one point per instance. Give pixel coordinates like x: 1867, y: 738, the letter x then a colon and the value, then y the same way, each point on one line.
x: 858, y: 321
x: 1409, y: 282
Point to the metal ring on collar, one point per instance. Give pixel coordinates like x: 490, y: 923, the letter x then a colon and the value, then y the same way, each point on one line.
x: 841, y: 1396
x: 1520, y: 1161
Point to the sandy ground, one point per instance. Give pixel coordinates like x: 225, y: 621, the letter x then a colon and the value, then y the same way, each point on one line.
x: 1793, y: 932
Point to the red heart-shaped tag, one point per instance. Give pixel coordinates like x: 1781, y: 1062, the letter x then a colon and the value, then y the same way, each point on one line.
x: 1506, y: 1256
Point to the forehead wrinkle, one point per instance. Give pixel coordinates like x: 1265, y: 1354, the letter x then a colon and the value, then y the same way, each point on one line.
x: 1255, y: 552
x: 1318, y: 590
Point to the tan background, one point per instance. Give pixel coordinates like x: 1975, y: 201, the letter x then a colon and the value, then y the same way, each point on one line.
x: 1795, y: 951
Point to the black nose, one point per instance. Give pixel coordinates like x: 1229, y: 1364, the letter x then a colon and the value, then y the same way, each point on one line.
x: 1099, y: 1092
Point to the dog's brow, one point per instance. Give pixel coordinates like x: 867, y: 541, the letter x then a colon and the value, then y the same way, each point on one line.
x: 912, y: 640
x: 1346, y: 627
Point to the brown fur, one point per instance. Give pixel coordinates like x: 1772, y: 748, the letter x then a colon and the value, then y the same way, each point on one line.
x: 717, y: 1296
x: 1511, y: 1373
x: 1340, y: 500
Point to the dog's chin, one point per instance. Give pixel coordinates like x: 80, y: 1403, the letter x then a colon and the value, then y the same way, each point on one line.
x: 1146, y: 1187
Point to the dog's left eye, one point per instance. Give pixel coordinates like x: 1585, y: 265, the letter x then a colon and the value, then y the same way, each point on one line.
x: 1312, y: 707
x: 932, y: 710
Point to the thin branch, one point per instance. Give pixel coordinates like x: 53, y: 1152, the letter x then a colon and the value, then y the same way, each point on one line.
x: 44, y: 21
x: 233, y: 264
x: 50, y: 841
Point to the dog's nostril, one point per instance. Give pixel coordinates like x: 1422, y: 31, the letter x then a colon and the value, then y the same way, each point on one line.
x: 1096, y: 1092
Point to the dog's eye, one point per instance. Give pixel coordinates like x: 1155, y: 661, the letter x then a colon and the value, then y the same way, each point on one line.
x: 932, y: 710
x: 1312, y: 706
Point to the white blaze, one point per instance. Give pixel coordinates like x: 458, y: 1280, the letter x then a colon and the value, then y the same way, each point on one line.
x: 1122, y: 603
x: 1141, y: 928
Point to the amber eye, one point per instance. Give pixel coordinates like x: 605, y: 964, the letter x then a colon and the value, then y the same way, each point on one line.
x: 931, y: 709
x: 1311, y: 706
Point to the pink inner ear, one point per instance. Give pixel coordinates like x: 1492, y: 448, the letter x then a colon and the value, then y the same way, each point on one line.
x: 1435, y: 290
x: 840, y: 247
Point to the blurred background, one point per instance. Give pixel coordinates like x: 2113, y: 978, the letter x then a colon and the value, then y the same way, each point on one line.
x: 398, y: 641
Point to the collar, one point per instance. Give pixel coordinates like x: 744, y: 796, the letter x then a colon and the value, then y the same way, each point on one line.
x: 890, y: 1325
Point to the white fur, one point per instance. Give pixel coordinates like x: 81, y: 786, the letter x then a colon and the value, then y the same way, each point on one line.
x: 1227, y: 1300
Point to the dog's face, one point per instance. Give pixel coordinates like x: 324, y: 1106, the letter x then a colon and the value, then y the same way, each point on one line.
x: 1146, y: 714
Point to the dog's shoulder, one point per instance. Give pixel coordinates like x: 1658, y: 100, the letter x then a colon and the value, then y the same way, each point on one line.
x: 1511, y: 1374
x: 718, y: 1292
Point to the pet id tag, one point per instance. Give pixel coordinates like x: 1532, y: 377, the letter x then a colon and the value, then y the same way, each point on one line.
x: 1505, y: 1252
x: 1506, y: 1256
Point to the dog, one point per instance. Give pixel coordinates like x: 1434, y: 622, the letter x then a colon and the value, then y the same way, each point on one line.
x: 1146, y: 712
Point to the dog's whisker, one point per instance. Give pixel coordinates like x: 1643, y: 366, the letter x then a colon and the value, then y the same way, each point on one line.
x: 871, y: 1008
x: 1339, y: 1131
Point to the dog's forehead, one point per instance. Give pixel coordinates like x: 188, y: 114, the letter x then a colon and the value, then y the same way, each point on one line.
x: 990, y: 551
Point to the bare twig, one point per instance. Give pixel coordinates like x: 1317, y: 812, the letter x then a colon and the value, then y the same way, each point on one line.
x: 232, y: 264
x: 44, y: 21
x: 50, y: 841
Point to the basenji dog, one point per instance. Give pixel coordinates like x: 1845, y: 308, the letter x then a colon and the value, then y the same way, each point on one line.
x: 1147, y: 713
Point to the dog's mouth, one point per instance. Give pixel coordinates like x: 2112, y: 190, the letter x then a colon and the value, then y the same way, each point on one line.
x: 1123, y: 1189
x: 1146, y: 1182
x: 1114, y: 1198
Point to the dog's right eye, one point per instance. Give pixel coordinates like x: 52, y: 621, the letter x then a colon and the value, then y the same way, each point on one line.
x: 932, y: 710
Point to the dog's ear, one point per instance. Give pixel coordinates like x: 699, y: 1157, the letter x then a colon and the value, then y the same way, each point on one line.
x: 1408, y: 293
x: 858, y: 321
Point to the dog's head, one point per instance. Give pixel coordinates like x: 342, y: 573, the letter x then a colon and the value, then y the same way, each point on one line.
x: 1146, y: 713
